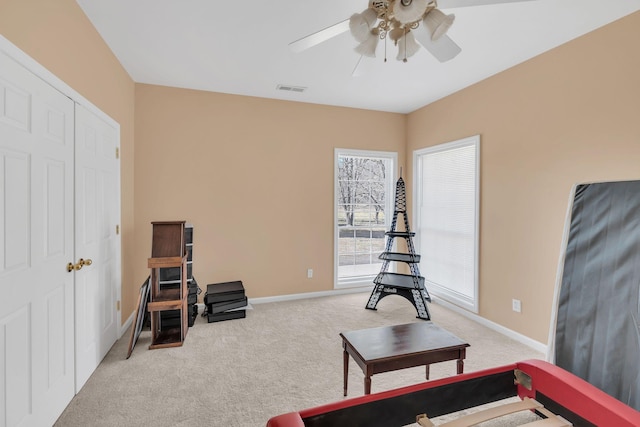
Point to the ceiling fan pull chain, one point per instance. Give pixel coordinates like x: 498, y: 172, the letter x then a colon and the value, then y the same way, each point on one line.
x: 405, y: 45
x: 385, y: 49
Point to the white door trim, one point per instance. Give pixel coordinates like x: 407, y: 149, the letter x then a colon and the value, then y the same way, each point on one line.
x: 36, y: 68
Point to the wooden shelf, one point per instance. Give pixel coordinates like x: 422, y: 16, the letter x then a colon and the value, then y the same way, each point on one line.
x: 166, y: 262
x: 167, y: 338
x: 168, y: 239
x: 168, y: 251
x: 166, y: 299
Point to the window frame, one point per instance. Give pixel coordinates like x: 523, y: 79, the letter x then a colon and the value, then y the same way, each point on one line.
x: 392, y: 156
x: 447, y: 294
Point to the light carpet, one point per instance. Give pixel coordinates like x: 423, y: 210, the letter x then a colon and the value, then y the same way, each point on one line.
x: 284, y: 356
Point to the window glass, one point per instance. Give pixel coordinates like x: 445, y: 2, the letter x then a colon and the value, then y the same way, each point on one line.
x: 364, y: 196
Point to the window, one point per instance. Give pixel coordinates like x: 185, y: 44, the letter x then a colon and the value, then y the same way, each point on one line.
x: 446, y: 205
x: 363, y: 211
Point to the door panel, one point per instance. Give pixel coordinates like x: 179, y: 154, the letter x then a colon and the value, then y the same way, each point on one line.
x: 52, y: 210
x: 97, y: 208
x: 15, y: 206
x: 55, y: 225
x: 15, y: 111
x: 16, y: 362
x: 54, y: 313
x: 36, y: 223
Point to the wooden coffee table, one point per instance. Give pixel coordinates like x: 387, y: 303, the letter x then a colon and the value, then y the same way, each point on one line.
x: 390, y: 348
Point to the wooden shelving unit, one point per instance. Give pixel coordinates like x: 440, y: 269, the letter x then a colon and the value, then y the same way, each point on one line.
x: 168, y: 250
x: 170, y: 278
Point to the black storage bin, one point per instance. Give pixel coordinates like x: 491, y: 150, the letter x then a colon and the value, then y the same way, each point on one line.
x: 222, y: 292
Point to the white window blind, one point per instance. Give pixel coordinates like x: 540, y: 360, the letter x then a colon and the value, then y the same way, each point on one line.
x: 447, y: 219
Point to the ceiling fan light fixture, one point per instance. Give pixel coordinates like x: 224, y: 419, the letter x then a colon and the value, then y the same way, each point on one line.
x: 409, y: 24
x: 410, y: 13
x: 371, y: 16
x: 359, y: 26
x: 407, y: 47
x: 368, y: 47
x: 437, y: 23
x: 396, y: 33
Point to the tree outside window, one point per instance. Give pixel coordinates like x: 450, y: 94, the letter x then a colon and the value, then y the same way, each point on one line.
x: 363, y: 196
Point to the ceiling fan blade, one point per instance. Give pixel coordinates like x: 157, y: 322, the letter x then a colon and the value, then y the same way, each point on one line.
x: 319, y: 37
x: 444, y: 49
x: 450, y: 4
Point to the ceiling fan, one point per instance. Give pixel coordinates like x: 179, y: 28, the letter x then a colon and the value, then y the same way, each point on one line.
x: 409, y: 24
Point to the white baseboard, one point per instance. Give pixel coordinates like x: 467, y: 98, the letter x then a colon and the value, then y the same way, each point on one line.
x: 306, y: 295
x: 126, y: 325
x: 523, y: 339
x: 536, y: 345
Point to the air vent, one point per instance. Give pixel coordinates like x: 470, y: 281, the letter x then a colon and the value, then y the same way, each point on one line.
x: 290, y: 88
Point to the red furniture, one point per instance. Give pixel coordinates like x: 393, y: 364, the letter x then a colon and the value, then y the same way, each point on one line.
x: 558, y: 390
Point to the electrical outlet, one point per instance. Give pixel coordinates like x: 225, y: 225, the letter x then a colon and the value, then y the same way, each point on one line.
x: 516, y: 305
x: 309, y: 273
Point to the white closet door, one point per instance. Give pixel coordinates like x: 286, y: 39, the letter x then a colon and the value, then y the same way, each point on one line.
x: 97, y: 215
x: 36, y: 224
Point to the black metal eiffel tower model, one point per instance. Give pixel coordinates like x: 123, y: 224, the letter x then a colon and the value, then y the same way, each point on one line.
x: 411, y: 286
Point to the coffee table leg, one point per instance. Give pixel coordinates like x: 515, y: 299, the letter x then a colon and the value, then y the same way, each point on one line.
x: 427, y: 369
x: 367, y: 385
x: 460, y: 366
x: 345, y: 358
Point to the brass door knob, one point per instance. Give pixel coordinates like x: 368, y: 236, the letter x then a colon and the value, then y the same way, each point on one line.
x: 81, y: 263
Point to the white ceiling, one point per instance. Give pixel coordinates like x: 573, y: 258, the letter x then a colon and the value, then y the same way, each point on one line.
x: 241, y: 47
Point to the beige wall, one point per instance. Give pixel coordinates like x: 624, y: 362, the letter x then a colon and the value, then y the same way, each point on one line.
x: 254, y: 176
x: 569, y: 116
x: 59, y: 36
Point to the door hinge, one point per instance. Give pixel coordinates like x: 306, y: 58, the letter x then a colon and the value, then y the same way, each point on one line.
x: 117, y: 152
x: 117, y: 229
x: 118, y: 305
